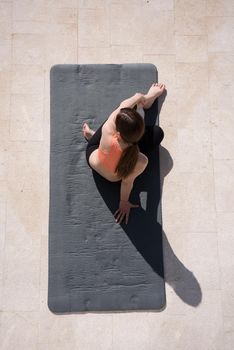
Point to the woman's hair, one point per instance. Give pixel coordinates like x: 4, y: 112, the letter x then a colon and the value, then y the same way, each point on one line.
x: 130, y: 124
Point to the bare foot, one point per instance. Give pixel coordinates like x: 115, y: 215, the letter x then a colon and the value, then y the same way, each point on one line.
x: 87, y: 132
x: 155, y: 91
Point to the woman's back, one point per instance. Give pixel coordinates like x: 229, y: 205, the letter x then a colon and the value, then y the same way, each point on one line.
x: 105, y: 158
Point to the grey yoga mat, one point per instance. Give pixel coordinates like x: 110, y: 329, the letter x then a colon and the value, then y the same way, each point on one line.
x: 94, y: 263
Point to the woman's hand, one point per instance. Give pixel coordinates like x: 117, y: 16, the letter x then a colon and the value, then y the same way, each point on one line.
x: 124, y: 209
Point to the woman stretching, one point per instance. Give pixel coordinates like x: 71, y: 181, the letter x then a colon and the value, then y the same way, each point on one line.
x: 118, y: 149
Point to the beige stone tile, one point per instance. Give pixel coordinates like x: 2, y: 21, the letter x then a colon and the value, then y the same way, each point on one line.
x: 190, y: 25
x: 45, y: 11
x: 156, y: 6
x: 5, y: 53
x: 121, y: 23
x: 4, y: 143
x: 3, y: 164
x: 221, y: 68
x: 221, y: 87
x: 222, y: 126
x: 62, y: 3
x: 101, y: 333
x: 28, y: 10
x: 220, y: 8
x: 23, y: 295
x: 192, y: 106
x: 62, y: 329
x: 65, y: 53
x: 226, y: 246
x: 19, y: 330
x: 191, y: 48
x: 5, y: 11
x: 28, y: 49
x: 194, y: 150
x: 94, y: 28
x: 62, y: 15
x: 5, y: 106
x: 157, y: 32
x: 44, y: 300
x: 175, y: 305
x: 220, y: 97
x: 25, y: 168
x: 201, y: 257
x: 68, y: 345
x: 5, y: 21
x: 224, y: 185
x: 27, y: 113
x: 22, y: 251
x: 37, y: 27
x: 95, y: 55
x: 219, y: 31
x: 190, y: 74
x: 190, y: 17
x: 228, y: 301
x: 165, y: 65
x: 23, y: 209
x: 94, y: 4
x: 134, y: 326
x: 5, y: 80
x: 190, y: 7
x: 3, y: 208
x: 126, y: 54
x: 188, y: 202
x: 44, y: 265
x: 27, y: 79
x: 167, y: 115
x: 228, y: 324
x: 165, y: 331
x: 189, y: 331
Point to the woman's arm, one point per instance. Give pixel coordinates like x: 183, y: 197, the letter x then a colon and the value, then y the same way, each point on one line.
x: 125, y: 190
x: 129, y: 102
x: 132, y: 101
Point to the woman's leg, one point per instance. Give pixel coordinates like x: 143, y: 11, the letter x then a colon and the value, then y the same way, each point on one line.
x: 152, y: 138
x: 94, y: 142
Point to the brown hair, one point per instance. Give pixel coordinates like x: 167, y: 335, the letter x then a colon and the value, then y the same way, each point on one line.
x: 130, y: 124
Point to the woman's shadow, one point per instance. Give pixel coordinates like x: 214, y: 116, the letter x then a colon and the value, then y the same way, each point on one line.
x: 144, y: 227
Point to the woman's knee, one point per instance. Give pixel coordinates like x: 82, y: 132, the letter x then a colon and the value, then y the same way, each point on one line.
x: 158, y: 134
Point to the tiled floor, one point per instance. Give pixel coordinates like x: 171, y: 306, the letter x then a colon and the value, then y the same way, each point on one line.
x: 191, y: 43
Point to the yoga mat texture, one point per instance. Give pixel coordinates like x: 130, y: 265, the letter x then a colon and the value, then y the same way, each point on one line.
x: 94, y: 263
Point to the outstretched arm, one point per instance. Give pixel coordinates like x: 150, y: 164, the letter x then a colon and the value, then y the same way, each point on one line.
x: 125, y: 190
x: 130, y: 102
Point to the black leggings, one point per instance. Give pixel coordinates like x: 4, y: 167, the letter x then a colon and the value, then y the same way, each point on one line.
x: 152, y: 138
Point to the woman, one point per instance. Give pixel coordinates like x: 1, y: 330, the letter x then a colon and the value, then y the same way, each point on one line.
x: 118, y: 149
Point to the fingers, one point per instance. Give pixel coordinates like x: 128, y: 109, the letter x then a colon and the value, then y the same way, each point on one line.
x: 126, y: 220
x: 119, y: 216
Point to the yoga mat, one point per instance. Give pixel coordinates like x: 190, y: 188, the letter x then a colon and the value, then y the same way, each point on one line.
x: 96, y: 264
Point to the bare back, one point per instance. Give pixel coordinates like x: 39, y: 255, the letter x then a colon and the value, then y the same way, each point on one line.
x: 108, y: 130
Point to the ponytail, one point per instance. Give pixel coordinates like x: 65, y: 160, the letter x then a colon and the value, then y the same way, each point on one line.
x: 127, y: 161
x: 131, y: 126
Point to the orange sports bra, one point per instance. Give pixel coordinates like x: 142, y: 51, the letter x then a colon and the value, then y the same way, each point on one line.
x: 110, y: 159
